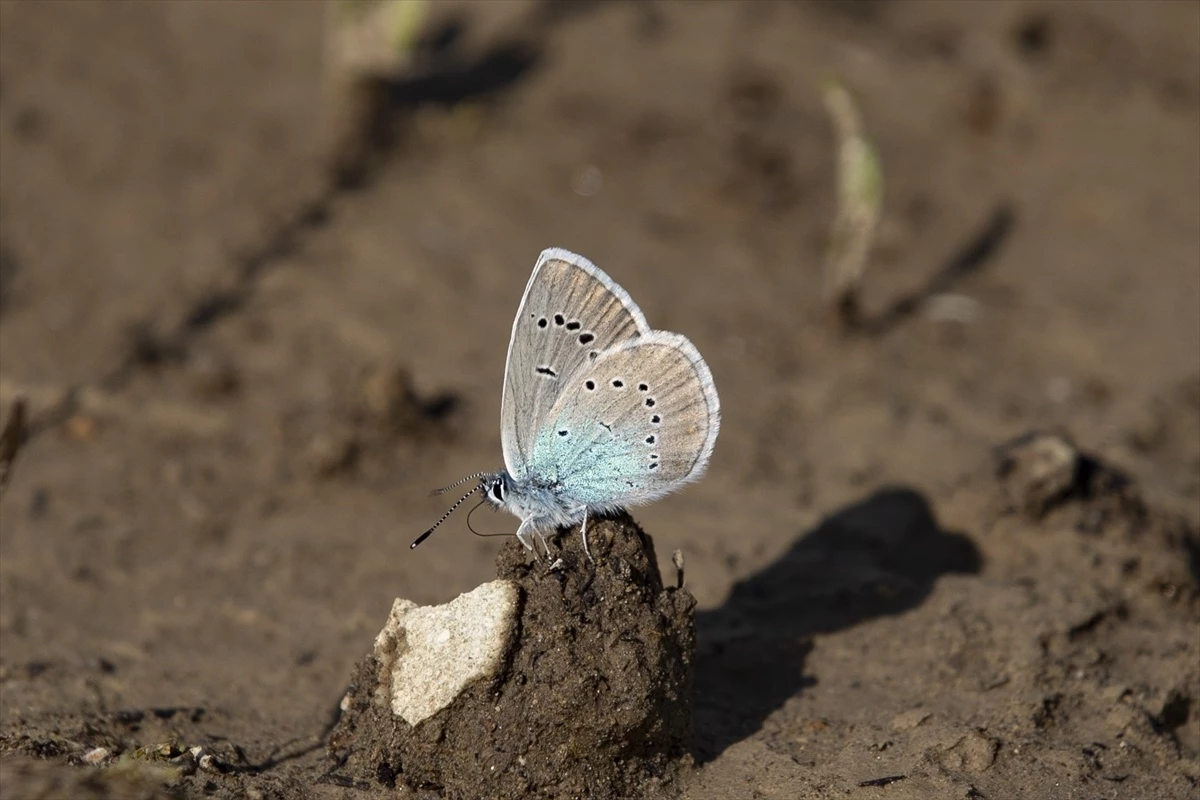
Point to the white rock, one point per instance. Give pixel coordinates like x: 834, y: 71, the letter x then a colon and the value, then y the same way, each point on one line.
x: 428, y: 654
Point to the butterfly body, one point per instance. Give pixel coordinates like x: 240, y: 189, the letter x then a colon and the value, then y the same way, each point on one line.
x: 600, y: 411
x: 539, y: 503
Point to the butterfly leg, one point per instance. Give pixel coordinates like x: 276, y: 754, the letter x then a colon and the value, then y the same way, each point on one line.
x: 523, y: 537
x: 525, y: 533
x: 583, y: 533
x: 545, y: 545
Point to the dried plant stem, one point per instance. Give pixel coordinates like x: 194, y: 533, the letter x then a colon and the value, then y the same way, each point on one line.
x: 369, y: 44
x: 859, y: 201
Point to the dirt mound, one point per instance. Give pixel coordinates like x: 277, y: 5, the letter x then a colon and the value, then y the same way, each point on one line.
x: 594, y: 700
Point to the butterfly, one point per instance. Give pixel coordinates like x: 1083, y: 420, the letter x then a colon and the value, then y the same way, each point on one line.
x: 600, y: 412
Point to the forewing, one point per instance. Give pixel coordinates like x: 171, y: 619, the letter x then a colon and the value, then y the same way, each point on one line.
x: 636, y: 424
x: 571, y: 312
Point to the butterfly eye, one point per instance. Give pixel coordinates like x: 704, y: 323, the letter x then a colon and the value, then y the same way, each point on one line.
x: 498, y: 491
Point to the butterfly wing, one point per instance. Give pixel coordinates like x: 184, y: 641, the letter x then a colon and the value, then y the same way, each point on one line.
x: 633, y: 425
x: 570, y: 313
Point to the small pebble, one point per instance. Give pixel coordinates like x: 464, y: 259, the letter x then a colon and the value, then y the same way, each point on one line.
x: 95, y: 755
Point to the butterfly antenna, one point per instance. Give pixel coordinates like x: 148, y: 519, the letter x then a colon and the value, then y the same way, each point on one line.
x: 445, y: 516
x: 457, y: 484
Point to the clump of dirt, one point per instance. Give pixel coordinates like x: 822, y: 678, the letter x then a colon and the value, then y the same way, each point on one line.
x: 1042, y: 470
x: 594, y: 700
x: 1049, y: 479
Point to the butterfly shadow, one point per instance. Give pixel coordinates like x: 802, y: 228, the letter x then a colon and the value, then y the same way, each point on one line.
x: 878, y: 557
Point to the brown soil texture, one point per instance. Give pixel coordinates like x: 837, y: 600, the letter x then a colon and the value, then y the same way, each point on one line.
x: 244, y: 378
x: 594, y: 698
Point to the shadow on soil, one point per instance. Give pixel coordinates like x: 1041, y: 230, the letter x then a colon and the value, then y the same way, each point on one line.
x: 878, y: 557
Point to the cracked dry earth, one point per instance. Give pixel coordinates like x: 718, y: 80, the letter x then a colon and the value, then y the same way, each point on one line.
x: 242, y: 383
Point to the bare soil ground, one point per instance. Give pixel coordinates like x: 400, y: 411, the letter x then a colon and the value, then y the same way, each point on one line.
x: 243, y: 382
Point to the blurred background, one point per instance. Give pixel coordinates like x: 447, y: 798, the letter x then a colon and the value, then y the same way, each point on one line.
x: 258, y: 267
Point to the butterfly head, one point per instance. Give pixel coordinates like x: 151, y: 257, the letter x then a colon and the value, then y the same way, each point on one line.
x: 496, y: 488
